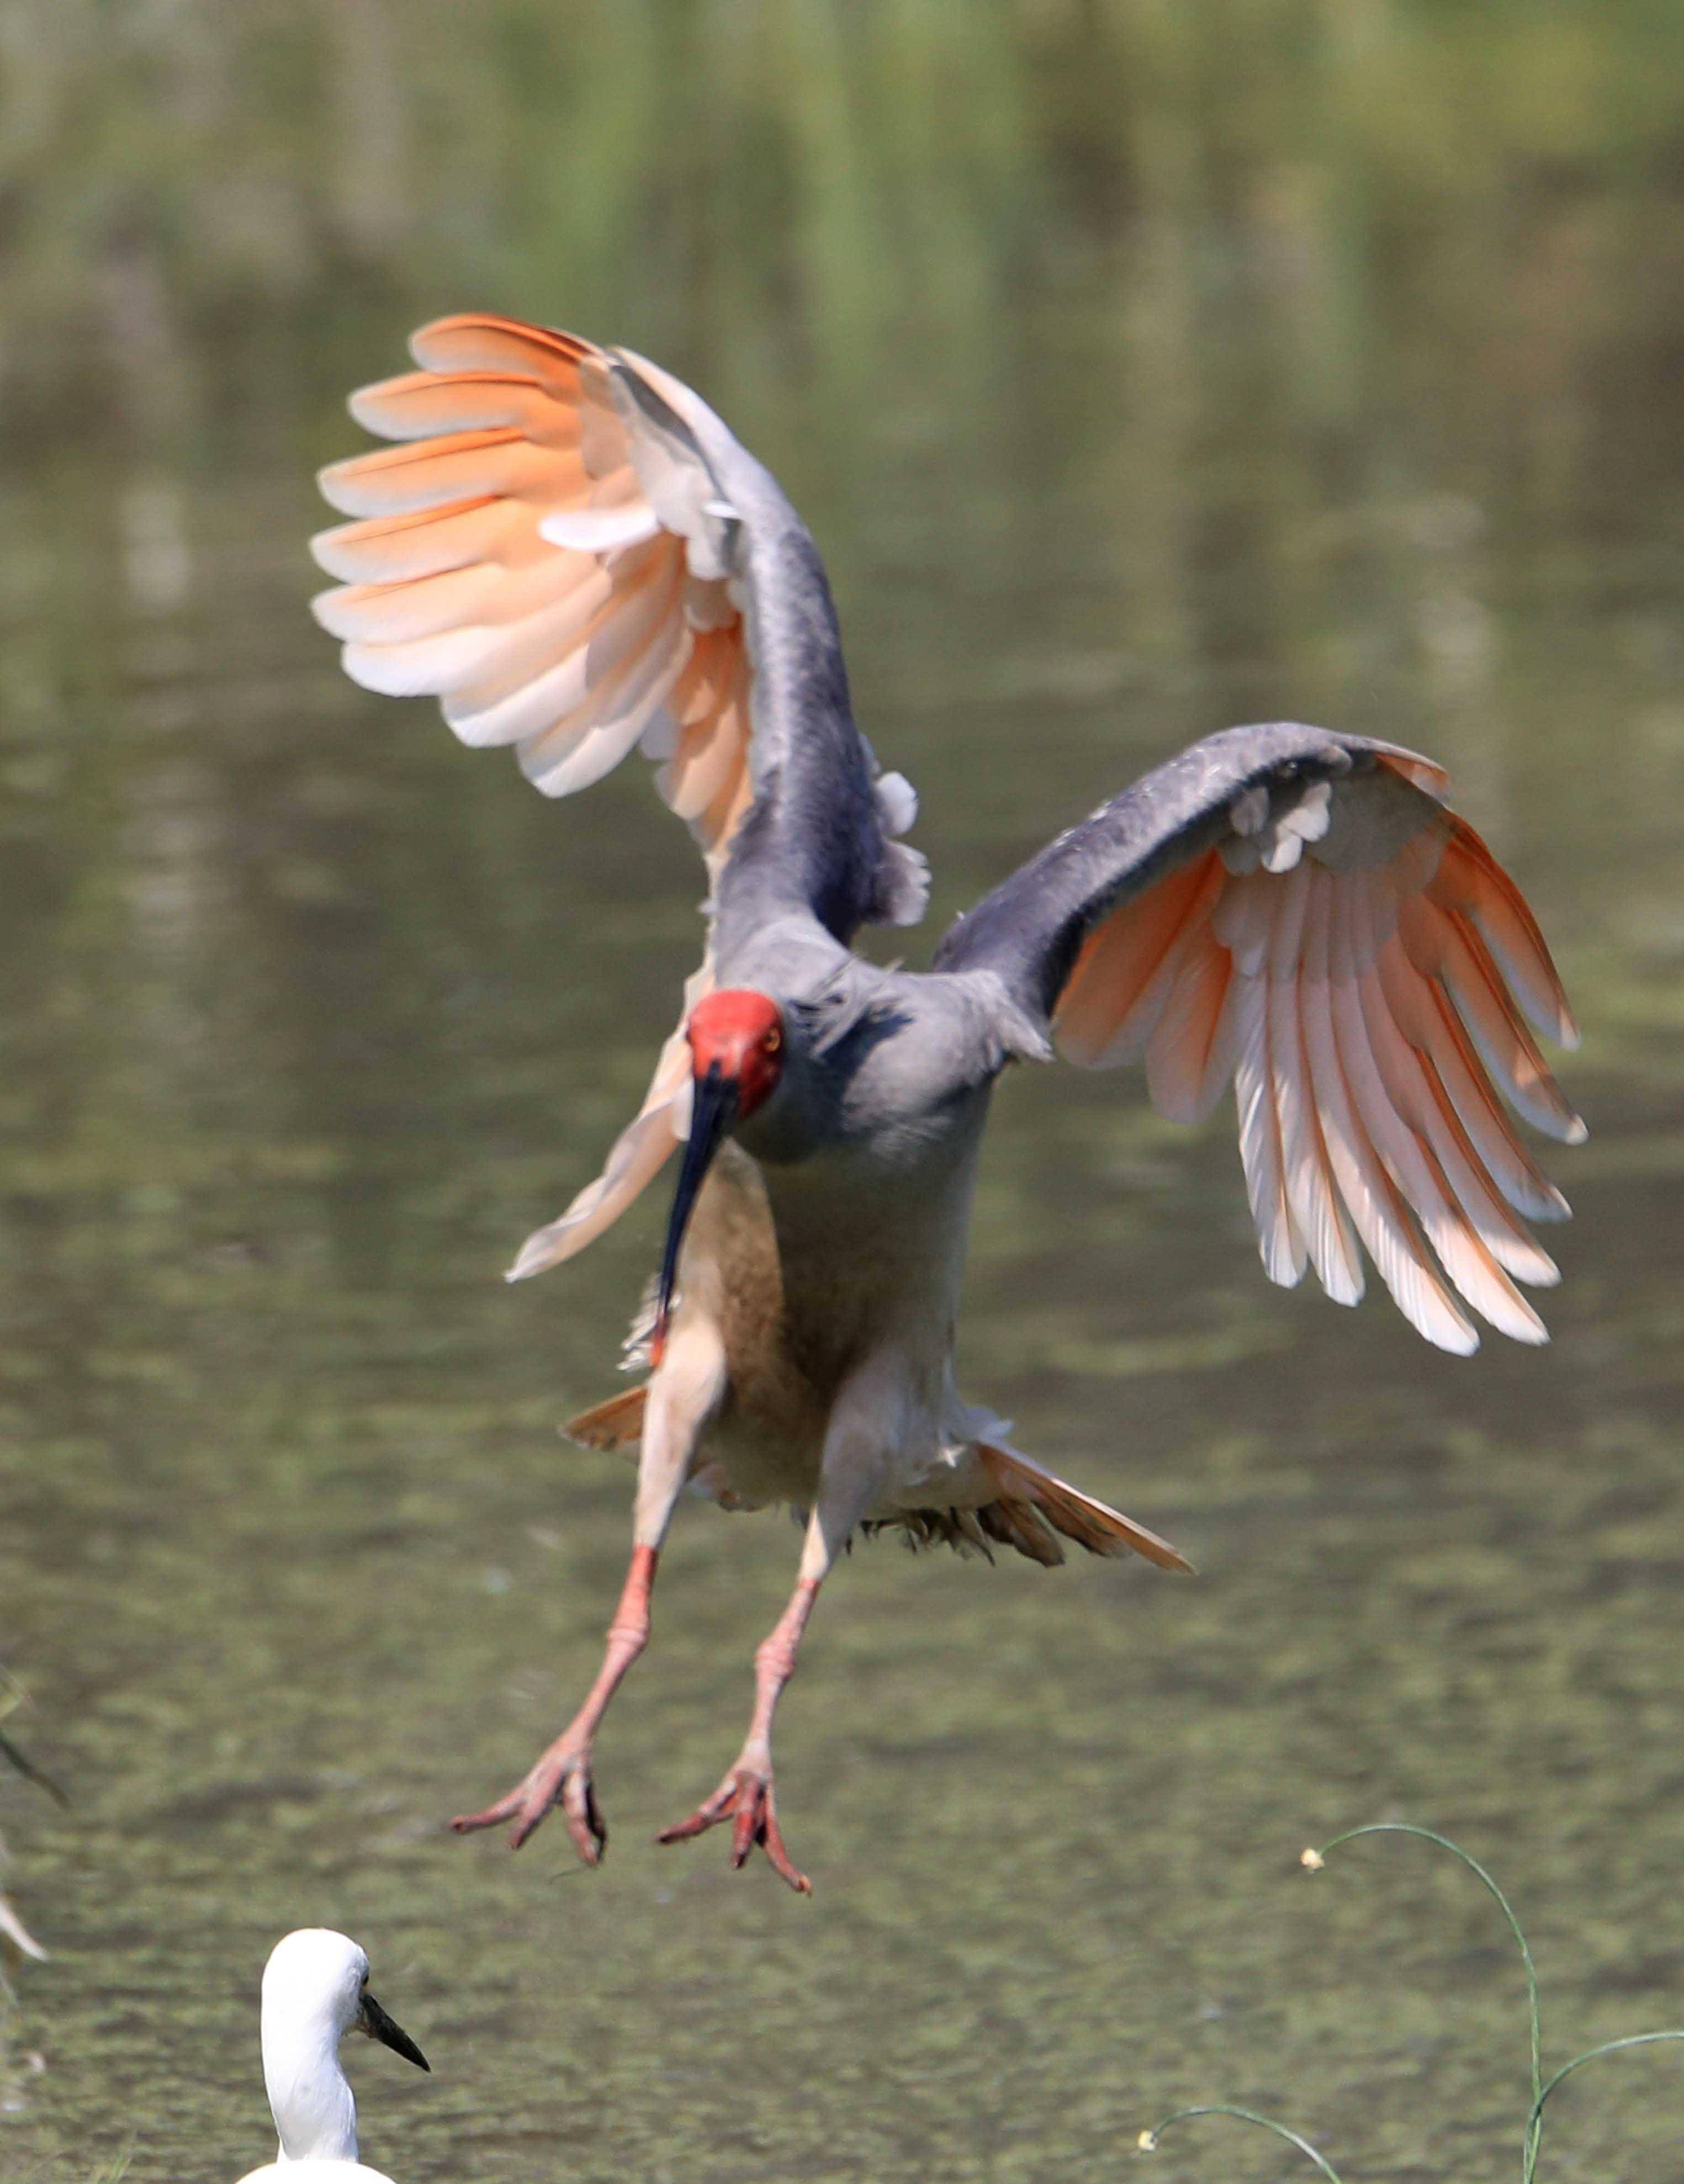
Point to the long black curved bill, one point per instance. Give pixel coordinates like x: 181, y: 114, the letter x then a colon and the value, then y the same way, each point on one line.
x: 713, y: 1108
x: 379, y: 2026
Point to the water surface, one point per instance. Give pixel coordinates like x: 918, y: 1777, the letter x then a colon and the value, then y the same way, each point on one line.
x: 1134, y: 384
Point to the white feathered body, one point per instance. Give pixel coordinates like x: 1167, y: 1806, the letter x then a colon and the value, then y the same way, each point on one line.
x: 315, y: 2172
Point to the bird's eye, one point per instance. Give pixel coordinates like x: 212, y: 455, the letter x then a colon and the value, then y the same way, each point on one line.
x: 773, y: 1041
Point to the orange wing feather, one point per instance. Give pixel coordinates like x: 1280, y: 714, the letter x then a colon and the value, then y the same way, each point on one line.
x: 574, y: 652
x: 1370, y: 989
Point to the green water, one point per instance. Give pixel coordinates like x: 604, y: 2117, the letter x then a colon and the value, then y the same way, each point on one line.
x: 1136, y: 378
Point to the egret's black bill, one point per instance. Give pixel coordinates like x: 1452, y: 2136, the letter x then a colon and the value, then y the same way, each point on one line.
x: 713, y: 1111
x: 379, y: 2026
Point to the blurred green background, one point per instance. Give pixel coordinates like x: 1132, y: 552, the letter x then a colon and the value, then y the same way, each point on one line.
x: 1141, y: 368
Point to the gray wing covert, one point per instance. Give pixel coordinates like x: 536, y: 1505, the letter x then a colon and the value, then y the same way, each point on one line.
x: 1299, y: 913
x: 574, y: 555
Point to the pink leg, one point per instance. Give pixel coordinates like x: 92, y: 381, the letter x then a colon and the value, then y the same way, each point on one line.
x: 745, y: 1797
x: 563, y: 1771
x: 682, y: 1397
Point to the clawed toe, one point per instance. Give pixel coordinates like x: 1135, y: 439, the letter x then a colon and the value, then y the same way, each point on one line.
x: 744, y: 1798
x: 561, y: 1776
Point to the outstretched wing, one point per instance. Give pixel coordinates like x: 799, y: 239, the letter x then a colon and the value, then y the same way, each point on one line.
x: 571, y: 552
x: 1299, y: 913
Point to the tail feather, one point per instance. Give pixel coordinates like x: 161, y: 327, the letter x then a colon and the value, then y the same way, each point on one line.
x: 1021, y: 1525
x: 1027, y: 1492
x: 617, y: 1424
x: 1032, y: 1507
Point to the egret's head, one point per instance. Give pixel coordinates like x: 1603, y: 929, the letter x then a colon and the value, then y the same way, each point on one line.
x: 316, y: 1977
x: 737, y: 1048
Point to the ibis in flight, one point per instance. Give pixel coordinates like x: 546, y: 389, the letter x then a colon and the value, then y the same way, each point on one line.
x: 571, y: 550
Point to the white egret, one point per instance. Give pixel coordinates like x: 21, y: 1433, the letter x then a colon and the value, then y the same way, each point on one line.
x: 314, y: 1989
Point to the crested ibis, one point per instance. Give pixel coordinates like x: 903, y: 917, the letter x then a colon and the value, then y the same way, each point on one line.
x: 571, y: 550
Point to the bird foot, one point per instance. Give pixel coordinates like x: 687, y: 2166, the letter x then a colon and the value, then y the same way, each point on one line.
x: 745, y: 1798
x: 561, y: 1776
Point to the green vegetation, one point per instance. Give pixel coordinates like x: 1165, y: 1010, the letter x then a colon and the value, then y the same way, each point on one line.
x: 16, y: 1941
x: 837, y: 189
x: 12, y: 1927
x: 1531, y: 2137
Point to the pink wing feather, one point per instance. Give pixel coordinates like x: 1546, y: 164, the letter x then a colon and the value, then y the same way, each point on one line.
x: 507, y: 557
x: 1369, y: 978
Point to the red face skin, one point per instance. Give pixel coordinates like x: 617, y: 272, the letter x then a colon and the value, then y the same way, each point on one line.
x: 737, y: 1050
x: 743, y: 1032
